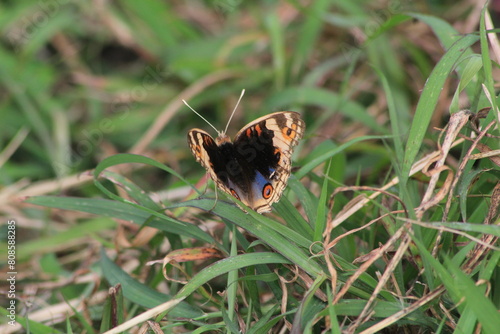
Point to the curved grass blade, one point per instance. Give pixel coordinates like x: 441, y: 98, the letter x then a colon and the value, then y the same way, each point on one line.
x: 229, y: 264
x: 126, y: 158
x: 428, y: 101
x: 286, y: 241
x: 142, y: 294
x: 125, y: 211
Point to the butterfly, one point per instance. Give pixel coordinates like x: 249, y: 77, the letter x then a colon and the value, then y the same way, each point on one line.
x: 255, y: 167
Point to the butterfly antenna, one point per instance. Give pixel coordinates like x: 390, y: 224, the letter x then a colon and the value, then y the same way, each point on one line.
x: 237, y: 103
x: 203, y: 118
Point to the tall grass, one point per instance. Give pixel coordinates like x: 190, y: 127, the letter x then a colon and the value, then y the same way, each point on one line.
x: 390, y: 221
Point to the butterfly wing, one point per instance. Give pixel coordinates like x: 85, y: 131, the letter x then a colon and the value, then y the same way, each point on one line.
x: 266, y: 146
x: 208, y: 154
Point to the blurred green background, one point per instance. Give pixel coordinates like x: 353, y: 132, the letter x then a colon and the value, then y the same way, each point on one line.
x: 81, y: 81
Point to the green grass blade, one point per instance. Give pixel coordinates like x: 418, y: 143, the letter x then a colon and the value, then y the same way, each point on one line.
x: 226, y: 265
x: 232, y: 281
x: 276, y: 34
x: 445, y: 32
x: 428, y: 101
x: 308, y: 35
x: 483, y: 308
x: 142, y: 294
x: 488, y: 71
x: 286, y: 241
x: 288, y: 213
x: 126, y: 211
x: 50, y: 243
x: 321, y: 216
x: 308, y: 167
x: 125, y: 158
x: 33, y: 326
x: 396, y: 125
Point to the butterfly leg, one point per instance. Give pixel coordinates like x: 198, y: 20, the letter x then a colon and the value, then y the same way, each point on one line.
x: 216, y: 198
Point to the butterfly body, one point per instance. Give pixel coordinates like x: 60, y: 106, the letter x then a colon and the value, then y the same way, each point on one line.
x: 256, y: 166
